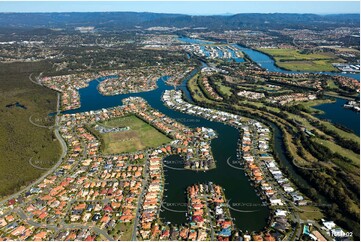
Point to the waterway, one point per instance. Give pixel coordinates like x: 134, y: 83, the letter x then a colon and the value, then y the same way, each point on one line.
x: 264, y: 60
x: 336, y: 113
x: 268, y: 63
x: 251, y: 214
x: 236, y: 184
x: 333, y: 112
x: 206, y: 52
x: 238, y: 190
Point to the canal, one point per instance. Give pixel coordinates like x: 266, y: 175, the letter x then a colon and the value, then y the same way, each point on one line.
x: 237, y: 187
x: 251, y: 213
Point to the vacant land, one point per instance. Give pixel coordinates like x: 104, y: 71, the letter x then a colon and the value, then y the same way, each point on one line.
x: 310, y: 212
x: 123, y: 231
x: 296, y: 61
x: 140, y: 136
x: 19, y: 139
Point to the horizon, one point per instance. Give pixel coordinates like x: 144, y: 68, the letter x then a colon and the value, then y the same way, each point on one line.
x: 220, y: 14
x: 203, y: 8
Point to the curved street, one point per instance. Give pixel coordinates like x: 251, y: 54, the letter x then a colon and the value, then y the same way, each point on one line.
x: 140, y: 199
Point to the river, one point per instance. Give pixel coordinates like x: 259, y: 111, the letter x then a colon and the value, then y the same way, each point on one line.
x: 333, y: 112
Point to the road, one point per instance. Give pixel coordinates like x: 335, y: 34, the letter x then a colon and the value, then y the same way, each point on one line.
x: 289, y: 205
x: 63, y: 154
x: 140, y: 199
x: 205, y: 197
x: 56, y: 228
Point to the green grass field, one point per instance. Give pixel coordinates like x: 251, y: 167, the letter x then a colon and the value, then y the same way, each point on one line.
x: 310, y: 212
x: 340, y: 150
x: 321, y: 65
x: 123, y: 231
x: 340, y: 132
x: 294, y: 60
x: 309, y: 105
x: 225, y: 91
x: 331, y: 84
x: 140, y: 136
x: 335, y: 94
x: 263, y: 88
x: 341, y: 49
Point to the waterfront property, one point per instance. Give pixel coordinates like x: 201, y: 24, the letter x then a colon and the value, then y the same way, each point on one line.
x: 92, y: 188
x: 106, y: 193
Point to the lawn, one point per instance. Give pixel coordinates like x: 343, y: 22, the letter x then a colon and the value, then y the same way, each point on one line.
x: 140, y: 136
x: 331, y: 84
x: 309, y: 105
x: 123, y: 231
x: 340, y: 150
x: 335, y: 94
x: 292, y: 59
x: 263, y: 88
x: 320, y: 65
x: 345, y: 49
x: 224, y: 90
x: 259, y: 105
x: 311, y: 213
x: 254, y: 103
x: 343, y: 134
x: 340, y: 132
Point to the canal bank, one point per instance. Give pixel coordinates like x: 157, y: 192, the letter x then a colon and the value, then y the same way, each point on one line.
x: 337, y: 114
x: 237, y: 187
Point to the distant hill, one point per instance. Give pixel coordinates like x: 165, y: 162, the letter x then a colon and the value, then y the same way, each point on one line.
x: 260, y: 21
x: 63, y: 20
x: 128, y: 20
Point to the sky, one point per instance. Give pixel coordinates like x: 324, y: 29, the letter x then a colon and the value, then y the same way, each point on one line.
x: 186, y: 7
